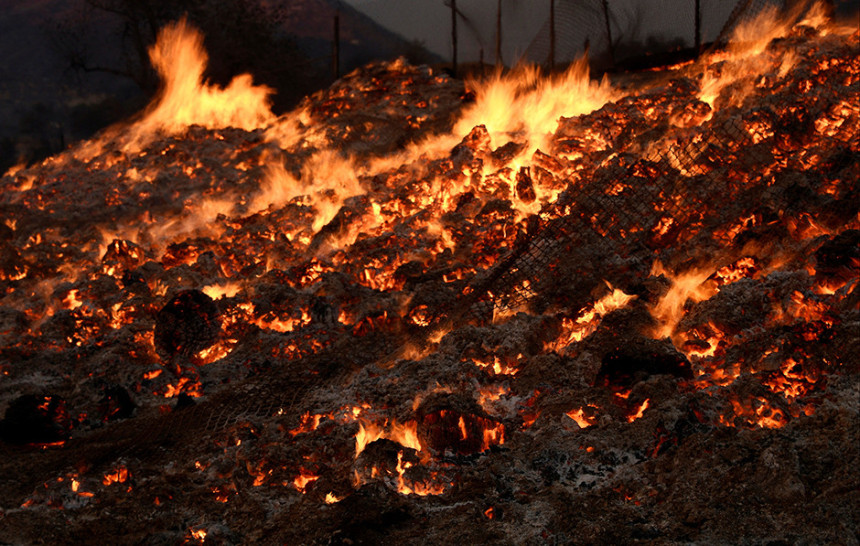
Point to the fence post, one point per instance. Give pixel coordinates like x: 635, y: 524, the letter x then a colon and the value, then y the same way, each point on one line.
x: 551, y: 34
x: 454, y: 37
x: 698, y: 35
x: 609, y: 31
x: 335, y: 50
x: 499, y: 33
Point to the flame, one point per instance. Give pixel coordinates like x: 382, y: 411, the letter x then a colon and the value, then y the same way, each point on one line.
x: 575, y: 330
x: 745, y: 55
x: 184, y: 385
x: 686, y: 286
x: 801, y: 307
x: 489, y: 394
x: 525, y: 103
x: 405, y: 434
x: 757, y: 413
x: 639, y: 411
x: 218, y: 291
x: 417, y: 488
x: 581, y: 419
x: 215, y: 352
x: 152, y: 374
x: 303, y: 479
x: 185, y: 100
x: 119, y: 475
x: 497, y: 366
x: 71, y: 300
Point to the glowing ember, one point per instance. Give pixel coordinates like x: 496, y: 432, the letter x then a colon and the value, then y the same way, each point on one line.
x: 639, y: 411
x: 304, y: 478
x: 119, y: 475
x: 579, y: 416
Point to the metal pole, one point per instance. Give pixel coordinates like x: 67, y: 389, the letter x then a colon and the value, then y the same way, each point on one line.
x: 609, y: 31
x: 454, y: 37
x: 335, y: 56
x: 698, y: 35
x: 551, y: 34
x: 499, y: 33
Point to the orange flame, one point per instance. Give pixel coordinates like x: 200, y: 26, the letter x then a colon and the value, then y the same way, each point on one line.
x: 180, y: 60
x: 119, y: 475
x: 581, y: 419
x: 303, y: 479
x: 639, y: 411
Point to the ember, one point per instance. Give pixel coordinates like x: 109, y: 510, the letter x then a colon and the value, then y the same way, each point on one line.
x: 543, y: 309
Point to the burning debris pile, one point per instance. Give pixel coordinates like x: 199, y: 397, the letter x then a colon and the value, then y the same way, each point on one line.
x: 526, y: 310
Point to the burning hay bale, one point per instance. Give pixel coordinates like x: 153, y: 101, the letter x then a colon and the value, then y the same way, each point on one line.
x: 607, y: 314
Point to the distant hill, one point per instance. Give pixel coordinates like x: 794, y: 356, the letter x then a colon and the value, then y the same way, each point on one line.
x: 362, y: 39
x: 44, y: 105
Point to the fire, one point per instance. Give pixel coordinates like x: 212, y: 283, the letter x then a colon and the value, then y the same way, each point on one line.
x: 687, y: 286
x: 180, y: 60
x: 218, y: 291
x: 331, y: 498
x: 304, y: 478
x: 758, y: 412
x: 307, y: 237
x: 525, y: 102
x: 496, y: 365
x: 746, y: 54
x: 307, y: 424
x: 71, y: 300
x: 184, y: 385
x: 120, y: 475
x: 639, y: 411
x: 405, y: 434
x: 416, y: 488
x: 803, y: 308
x: 575, y: 330
x: 581, y: 419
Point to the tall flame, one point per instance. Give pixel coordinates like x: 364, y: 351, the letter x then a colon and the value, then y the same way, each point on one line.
x: 186, y: 99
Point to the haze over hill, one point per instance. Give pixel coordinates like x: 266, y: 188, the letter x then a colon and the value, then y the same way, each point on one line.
x: 45, y: 104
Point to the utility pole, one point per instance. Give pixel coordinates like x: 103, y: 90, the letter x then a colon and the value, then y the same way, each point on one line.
x: 454, y: 37
x: 499, y: 33
x: 698, y: 34
x: 609, y: 31
x: 335, y: 51
x: 551, y: 34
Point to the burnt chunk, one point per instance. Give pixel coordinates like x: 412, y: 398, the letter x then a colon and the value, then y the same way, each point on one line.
x: 189, y: 323
x: 840, y: 254
x: 34, y: 419
x: 456, y: 424
x: 635, y: 362
x: 116, y: 404
x: 525, y: 187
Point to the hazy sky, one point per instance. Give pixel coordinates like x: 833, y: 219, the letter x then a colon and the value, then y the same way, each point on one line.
x: 429, y: 21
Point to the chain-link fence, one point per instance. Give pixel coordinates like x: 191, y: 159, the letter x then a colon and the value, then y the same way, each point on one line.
x: 616, y: 31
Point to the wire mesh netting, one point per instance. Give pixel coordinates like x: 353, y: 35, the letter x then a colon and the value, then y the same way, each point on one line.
x: 681, y: 191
